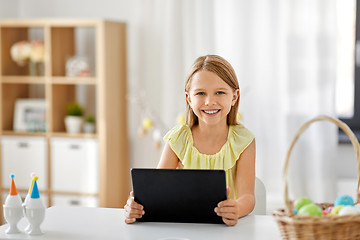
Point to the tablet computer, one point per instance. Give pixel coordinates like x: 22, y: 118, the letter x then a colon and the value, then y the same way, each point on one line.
x: 179, y: 195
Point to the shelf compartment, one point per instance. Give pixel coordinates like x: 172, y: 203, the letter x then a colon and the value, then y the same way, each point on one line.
x: 11, y: 35
x: 67, y: 42
x: 62, y: 95
x: 10, y: 93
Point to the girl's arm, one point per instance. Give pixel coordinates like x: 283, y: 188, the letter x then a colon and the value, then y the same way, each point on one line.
x: 168, y: 158
x: 231, y: 210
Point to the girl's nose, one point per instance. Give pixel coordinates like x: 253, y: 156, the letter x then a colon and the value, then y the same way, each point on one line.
x: 209, y: 100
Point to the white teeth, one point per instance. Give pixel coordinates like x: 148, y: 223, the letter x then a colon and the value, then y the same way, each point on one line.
x: 211, y: 111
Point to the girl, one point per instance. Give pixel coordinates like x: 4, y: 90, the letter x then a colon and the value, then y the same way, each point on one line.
x: 211, y: 138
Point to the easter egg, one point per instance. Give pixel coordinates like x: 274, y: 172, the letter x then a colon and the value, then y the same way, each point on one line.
x: 147, y: 124
x: 301, y: 201
x: 336, y: 210
x: 344, y: 200
x: 328, y: 210
x: 181, y: 119
x: 310, y: 209
x: 157, y: 135
x: 141, y: 132
x: 357, y: 206
x: 348, y: 210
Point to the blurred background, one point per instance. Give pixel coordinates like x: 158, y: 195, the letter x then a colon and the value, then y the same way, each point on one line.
x: 295, y: 60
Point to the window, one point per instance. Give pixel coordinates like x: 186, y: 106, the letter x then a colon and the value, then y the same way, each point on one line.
x: 348, y: 66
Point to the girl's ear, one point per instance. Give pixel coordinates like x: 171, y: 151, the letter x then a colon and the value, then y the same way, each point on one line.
x: 236, y: 95
x: 187, y: 96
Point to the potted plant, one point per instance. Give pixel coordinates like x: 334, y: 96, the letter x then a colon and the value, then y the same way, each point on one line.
x: 89, y: 125
x: 74, y: 118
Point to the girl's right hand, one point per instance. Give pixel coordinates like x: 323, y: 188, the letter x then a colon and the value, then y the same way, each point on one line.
x: 133, y: 210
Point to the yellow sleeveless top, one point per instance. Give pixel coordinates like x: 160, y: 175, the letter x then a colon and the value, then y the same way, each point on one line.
x: 181, y: 142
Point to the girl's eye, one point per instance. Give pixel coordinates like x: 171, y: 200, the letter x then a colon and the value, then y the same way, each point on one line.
x: 200, y: 93
x: 220, y: 92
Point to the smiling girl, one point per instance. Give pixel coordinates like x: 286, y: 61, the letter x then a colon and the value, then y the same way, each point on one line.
x: 212, y: 138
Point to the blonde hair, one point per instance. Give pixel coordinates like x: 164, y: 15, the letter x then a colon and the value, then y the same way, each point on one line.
x: 222, y: 69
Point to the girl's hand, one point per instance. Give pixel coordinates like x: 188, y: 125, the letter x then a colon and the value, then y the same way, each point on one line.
x: 228, y: 210
x: 133, y: 210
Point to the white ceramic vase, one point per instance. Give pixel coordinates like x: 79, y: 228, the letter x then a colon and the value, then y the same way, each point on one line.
x: 73, y: 124
x: 89, y: 127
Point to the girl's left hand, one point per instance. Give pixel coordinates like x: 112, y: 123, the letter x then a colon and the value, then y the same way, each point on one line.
x: 228, y: 210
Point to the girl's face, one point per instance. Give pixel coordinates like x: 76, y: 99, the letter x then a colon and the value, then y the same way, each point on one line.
x: 210, y: 98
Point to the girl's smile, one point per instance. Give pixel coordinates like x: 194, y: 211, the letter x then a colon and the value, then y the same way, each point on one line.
x: 211, y: 112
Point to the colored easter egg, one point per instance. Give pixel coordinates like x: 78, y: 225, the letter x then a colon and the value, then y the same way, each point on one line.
x: 344, y: 200
x: 336, y: 210
x: 147, y: 124
x: 328, y: 210
x: 310, y: 209
x: 348, y: 210
x: 301, y: 201
x: 357, y: 206
x: 180, y: 119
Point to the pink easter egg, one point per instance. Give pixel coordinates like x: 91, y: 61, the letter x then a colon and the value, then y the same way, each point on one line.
x: 328, y: 210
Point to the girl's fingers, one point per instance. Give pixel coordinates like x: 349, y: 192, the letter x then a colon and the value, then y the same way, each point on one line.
x: 225, y: 210
x: 130, y: 220
x: 131, y: 213
x: 133, y: 210
x: 230, y: 222
x: 229, y: 215
x: 227, y: 203
x: 134, y: 205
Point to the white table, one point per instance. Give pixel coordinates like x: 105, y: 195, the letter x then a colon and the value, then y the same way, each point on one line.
x: 108, y: 223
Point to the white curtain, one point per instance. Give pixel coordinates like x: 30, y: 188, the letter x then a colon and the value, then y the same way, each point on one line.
x: 283, y: 52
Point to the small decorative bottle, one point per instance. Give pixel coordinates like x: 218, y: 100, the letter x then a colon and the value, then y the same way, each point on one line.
x: 13, y: 210
x: 35, y: 211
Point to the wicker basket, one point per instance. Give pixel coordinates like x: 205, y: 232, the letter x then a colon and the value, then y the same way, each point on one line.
x: 318, y: 228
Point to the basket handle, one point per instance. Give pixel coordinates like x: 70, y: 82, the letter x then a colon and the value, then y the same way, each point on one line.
x: 348, y: 132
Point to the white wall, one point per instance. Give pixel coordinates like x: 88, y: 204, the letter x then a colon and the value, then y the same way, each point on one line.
x: 110, y: 9
x: 123, y: 10
x: 9, y: 9
x: 346, y: 162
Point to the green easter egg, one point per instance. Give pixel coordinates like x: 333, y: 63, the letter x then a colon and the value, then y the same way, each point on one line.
x: 310, y: 210
x: 301, y: 201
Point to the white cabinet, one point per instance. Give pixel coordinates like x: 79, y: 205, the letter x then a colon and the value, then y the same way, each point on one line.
x: 23, y: 156
x: 84, y: 201
x: 75, y: 165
